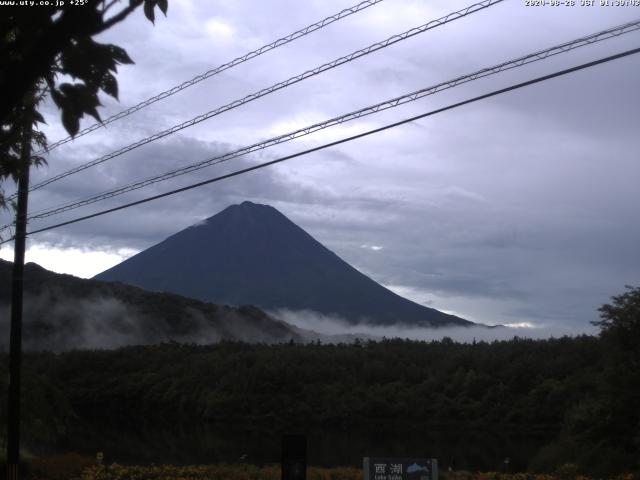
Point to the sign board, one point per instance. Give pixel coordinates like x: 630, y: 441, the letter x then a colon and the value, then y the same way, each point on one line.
x: 400, y: 468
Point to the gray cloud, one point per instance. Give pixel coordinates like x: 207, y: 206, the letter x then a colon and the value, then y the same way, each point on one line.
x: 518, y: 208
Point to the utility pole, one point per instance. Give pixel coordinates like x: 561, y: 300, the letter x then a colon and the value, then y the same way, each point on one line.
x: 15, y: 346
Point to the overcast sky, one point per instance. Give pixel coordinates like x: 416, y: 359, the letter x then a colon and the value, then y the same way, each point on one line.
x: 518, y: 209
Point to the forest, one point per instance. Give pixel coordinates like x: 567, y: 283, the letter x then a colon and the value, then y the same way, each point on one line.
x: 578, y: 393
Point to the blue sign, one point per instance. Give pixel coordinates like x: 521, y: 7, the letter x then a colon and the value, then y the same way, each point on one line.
x: 400, y: 468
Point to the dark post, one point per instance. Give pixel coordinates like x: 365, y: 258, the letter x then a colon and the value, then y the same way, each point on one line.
x: 294, y: 457
x: 15, y: 345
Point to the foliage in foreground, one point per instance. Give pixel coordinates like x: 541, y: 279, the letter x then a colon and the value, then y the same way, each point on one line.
x: 561, y: 386
x: 272, y: 472
x: 580, y: 390
x: 66, y: 467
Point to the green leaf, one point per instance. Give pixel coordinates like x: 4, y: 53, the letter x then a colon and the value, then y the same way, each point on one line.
x: 37, y: 117
x: 148, y: 10
x: 38, y: 161
x: 89, y: 60
x: 70, y: 121
x: 94, y: 113
x: 57, y: 98
x: 109, y: 85
x: 76, y: 100
x: 120, y: 55
x: 39, y: 138
x: 163, y: 5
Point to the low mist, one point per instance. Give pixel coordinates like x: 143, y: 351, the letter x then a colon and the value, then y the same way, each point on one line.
x: 333, y: 329
x: 53, y: 321
x: 57, y: 322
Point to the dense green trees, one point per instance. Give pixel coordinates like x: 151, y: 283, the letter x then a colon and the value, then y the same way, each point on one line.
x: 620, y: 320
x: 581, y: 392
x: 517, y: 386
x: 601, y: 429
x: 610, y: 420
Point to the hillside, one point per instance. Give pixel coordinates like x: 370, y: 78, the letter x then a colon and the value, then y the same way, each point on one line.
x: 253, y: 254
x: 63, y: 312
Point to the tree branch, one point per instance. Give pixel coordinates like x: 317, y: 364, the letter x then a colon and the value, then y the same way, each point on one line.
x: 117, y: 18
x: 108, y: 6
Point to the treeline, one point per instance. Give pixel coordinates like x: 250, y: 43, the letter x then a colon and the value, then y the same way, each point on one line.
x: 576, y: 390
x: 518, y: 383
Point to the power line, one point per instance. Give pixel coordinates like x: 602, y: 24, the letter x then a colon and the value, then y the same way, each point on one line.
x: 278, y: 86
x: 237, y: 61
x: 343, y: 140
x: 387, y: 104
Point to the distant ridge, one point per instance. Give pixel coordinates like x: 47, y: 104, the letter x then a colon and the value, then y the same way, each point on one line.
x: 63, y: 312
x: 251, y: 254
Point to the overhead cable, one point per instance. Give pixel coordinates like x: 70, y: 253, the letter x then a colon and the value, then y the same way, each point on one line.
x: 387, y: 104
x: 278, y: 86
x: 225, y: 66
x: 341, y: 141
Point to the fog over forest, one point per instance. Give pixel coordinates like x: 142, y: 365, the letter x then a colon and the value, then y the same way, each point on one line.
x: 335, y: 329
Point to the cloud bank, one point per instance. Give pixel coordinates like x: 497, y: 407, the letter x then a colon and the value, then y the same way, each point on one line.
x: 331, y: 329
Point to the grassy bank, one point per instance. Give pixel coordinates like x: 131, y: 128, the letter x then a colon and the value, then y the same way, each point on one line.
x: 77, y: 467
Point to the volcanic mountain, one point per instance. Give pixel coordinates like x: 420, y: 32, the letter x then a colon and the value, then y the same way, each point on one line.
x: 251, y: 254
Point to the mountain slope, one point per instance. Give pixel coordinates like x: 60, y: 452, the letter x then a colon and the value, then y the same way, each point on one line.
x: 63, y: 312
x: 252, y: 254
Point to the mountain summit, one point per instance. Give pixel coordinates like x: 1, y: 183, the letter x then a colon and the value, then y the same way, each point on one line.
x: 253, y: 254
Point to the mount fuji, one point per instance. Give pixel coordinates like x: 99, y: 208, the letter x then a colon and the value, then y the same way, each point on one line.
x: 251, y: 254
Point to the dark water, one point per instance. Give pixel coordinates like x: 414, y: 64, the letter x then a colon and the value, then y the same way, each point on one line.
x: 206, y: 444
